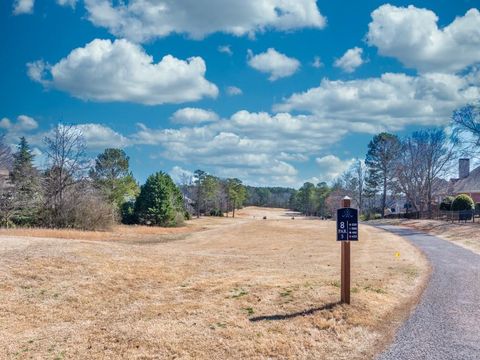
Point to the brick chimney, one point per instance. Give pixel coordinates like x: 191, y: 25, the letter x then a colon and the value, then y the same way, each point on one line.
x: 463, y: 168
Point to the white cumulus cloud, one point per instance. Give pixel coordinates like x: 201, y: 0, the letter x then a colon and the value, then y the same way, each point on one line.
x: 351, y: 60
x: 23, y: 7
x: 258, y: 147
x: 190, y: 116
x: 226, y: 49
x: 272, y: 62
x: 331, y: 167
x: 180, y: 175
x: 70, y: 3
x: 122, y: 71
x: 23, y: 123
x: 143, y: 20
x: 317, y: 62
x: 98, y: 136
x: 233, y: 90
x: 412, y: 36
x: 389, y: 102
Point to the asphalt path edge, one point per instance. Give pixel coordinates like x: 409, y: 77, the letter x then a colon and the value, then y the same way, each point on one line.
x: 444, y: 325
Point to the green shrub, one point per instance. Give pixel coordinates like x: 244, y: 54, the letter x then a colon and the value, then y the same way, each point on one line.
x: 446, y: 204
x: 160, y: 202
x: 127, y: 212
x: 462, y: 202
x: 216, y: 212
x: 370, y: 216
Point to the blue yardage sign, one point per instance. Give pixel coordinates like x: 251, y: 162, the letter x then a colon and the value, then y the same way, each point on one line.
x: 347, y: 224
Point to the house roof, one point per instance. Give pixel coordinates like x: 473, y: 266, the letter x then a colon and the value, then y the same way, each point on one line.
x: 469, y: 184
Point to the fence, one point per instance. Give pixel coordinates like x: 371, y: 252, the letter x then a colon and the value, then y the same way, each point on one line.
x: 465, y: 215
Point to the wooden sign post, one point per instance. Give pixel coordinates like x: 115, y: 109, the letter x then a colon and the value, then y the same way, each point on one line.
x: 347, y: 230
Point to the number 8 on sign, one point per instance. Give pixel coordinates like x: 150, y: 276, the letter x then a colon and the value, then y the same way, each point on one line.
x: 347, y: 224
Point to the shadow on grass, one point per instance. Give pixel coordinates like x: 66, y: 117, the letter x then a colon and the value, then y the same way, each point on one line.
x: 277, y: 317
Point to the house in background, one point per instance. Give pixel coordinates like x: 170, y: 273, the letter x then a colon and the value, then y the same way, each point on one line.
x: 441, y: 188
x: 396, y: 204
x: 468, y: 182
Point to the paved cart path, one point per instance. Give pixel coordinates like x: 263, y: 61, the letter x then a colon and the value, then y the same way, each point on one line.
x: 446, y: 322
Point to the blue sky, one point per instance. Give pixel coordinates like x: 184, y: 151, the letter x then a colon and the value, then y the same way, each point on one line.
x: 273, y: 92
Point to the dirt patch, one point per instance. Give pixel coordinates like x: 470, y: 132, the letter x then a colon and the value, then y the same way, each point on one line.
x: 229, y: 288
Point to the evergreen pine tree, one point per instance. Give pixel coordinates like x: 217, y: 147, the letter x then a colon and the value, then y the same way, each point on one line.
x: 111, y: 174
x: 26, y: 185
x: 160, y: 202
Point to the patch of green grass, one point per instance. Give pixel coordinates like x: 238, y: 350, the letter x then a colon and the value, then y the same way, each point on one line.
x: 249, y: 310
x: 374, y: 289
x: 59, y: 356
x: 334, y: 283
x: 286, y: 293
x: 239, y: 293
x: 217, y: 325
x: 411, y: 272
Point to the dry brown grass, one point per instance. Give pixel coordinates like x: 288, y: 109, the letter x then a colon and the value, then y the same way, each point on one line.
x: 240, y: 288
x: 117, y: 233
x: 463, y: 234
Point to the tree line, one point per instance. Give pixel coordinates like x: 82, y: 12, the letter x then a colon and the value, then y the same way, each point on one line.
x: 276, y: 197
x: 68, y: 192
x: 413, y: 167
x: 207, y: 194
x: 73, y: 191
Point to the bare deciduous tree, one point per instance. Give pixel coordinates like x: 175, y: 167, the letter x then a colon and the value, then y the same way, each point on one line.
x: 65, y: 150
x: 6, y: 197
x: 466, y: 128
x: 409, y: 175
x: 353, y: 181
x: 426, y: 157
